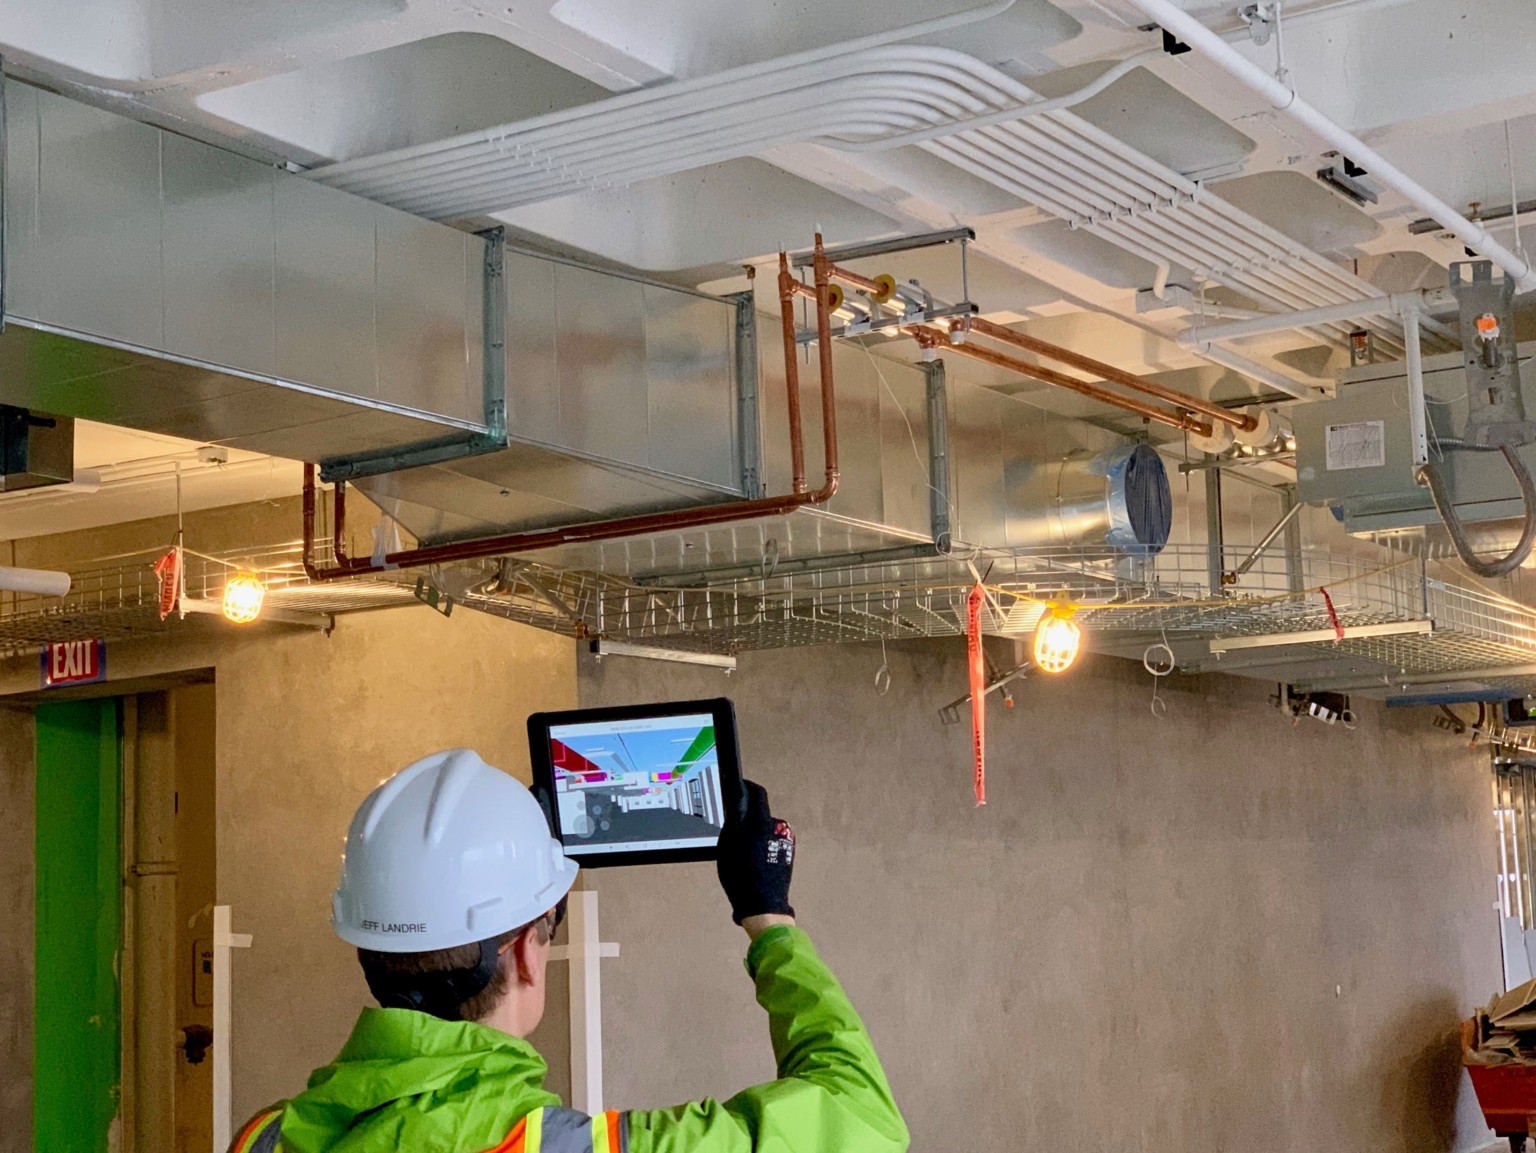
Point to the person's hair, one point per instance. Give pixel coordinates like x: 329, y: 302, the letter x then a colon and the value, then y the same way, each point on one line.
x: 458, y: 958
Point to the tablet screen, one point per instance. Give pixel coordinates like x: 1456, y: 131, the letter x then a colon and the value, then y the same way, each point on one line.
x: 637, y: 785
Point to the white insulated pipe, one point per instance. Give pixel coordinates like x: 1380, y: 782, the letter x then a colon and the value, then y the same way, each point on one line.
x: 1397, y: 303
x: 35, y: 581
x: 1037, y: 107
x: 1255, y: 371
x: 1192, y: 32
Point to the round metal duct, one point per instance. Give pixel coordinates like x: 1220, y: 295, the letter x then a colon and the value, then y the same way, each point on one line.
x: 1118, y: 502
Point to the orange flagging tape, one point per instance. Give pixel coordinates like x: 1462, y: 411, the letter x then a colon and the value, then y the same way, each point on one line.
x: 168, y: 570
x: 1333, y: 617
x: 978, y: 665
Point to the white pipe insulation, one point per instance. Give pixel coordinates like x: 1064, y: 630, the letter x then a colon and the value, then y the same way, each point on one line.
x: 1397, y: 303
x: 35, y: 581
x: 1195, y: 34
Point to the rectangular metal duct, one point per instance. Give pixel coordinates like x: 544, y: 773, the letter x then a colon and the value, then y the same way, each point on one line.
x: 622, y: 396
x: 162, y: 284
x: 924, y: 452
x: 157, y: 283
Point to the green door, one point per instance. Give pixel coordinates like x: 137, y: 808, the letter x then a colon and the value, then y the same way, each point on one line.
x: 77, y: 1056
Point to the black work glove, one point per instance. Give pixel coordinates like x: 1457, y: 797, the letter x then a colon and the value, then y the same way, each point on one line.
x: 756, y: 858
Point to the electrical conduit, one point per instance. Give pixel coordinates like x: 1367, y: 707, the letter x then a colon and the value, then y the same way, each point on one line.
x: 1195, y: 34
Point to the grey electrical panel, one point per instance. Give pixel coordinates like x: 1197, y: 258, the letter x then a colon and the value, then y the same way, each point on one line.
x: 1355, y: 454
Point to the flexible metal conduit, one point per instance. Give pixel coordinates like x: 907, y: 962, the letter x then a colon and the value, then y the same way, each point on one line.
x: 522, y: 542
x: 1475, y: 236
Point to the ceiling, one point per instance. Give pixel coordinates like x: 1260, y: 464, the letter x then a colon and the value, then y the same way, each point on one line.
x: 1444, y: 88
x: 124, y: 474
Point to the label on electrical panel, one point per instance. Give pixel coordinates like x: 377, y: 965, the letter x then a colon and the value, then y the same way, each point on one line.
x: 1362, y: 444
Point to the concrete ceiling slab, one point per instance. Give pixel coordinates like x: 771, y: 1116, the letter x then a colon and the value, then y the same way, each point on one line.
x: 1091, y: 255
x: 1302, y: 208
x: 411, y: 94
x: 686, y: 38
x: 1155, y: 118
x: 708, y: 216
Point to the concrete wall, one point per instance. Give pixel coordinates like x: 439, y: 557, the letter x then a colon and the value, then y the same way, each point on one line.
x: 17, y: 879
x: 306, y: 725
x: 1215, y: 931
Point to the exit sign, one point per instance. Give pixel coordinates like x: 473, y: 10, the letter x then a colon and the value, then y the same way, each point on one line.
x: 74, y: 663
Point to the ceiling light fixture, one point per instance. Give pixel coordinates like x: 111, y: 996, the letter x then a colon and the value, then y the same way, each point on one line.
x: 1057, y: 639
x: 243, y: 596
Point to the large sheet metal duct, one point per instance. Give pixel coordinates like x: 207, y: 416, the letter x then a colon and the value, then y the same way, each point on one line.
x: 161, y: 284
x: 157, y: 283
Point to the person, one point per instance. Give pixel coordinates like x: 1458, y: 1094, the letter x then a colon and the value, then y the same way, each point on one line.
x: 451, y: 888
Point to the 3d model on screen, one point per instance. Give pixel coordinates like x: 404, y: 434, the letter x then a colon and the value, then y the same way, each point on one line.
x: 651, y: 783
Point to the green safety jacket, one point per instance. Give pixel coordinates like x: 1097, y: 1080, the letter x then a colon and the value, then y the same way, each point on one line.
x: 408, y: 1081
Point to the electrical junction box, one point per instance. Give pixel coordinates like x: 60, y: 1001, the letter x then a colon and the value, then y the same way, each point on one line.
x: 1354, y: 453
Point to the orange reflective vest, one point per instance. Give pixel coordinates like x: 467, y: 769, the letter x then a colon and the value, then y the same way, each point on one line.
x: 551, y: 1130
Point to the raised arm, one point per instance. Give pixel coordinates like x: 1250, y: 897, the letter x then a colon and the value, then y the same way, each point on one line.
x: 831, y: 1092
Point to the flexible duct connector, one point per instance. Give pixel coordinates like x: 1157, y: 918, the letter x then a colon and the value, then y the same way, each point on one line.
x: 1447, y: 510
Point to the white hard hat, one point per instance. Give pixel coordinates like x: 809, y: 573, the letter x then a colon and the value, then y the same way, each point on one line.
x: 447, y: 852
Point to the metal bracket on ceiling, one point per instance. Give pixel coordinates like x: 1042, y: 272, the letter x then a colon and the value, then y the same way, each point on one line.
x: 1260, y: 19
x: 492, y: 436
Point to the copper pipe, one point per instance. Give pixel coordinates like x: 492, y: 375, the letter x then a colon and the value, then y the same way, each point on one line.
x: 521, y: 542
x: 933, y: 338
x: 532, y: 541
x: 788, y: 288
x: 880, y: 290
x: 1108, y: 372
x: 339, y: 518
x: 822, y: 268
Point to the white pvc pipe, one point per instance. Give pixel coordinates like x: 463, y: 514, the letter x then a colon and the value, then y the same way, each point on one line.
x: 1195, y: 34
x: 734, y: 80
x: 1254, y: 371
x: 35, y: 581
x: 1290, y: 321
x: 1397, y: 302
x: 1036, y: 107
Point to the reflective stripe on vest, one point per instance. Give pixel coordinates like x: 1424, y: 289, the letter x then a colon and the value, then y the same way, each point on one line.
x: 552, y: 1130
x: 260, y: 1136
x: 556, y: 1130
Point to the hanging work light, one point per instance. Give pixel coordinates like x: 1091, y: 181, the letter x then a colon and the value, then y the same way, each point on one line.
x: 243, y: 594
x: 1057, y: 639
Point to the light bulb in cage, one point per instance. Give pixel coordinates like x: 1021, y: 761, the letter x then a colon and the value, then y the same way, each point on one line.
x: 243, y: 595
x: 1057, y: 639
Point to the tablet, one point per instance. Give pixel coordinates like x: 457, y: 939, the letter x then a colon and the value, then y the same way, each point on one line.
x: 639, y: 784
